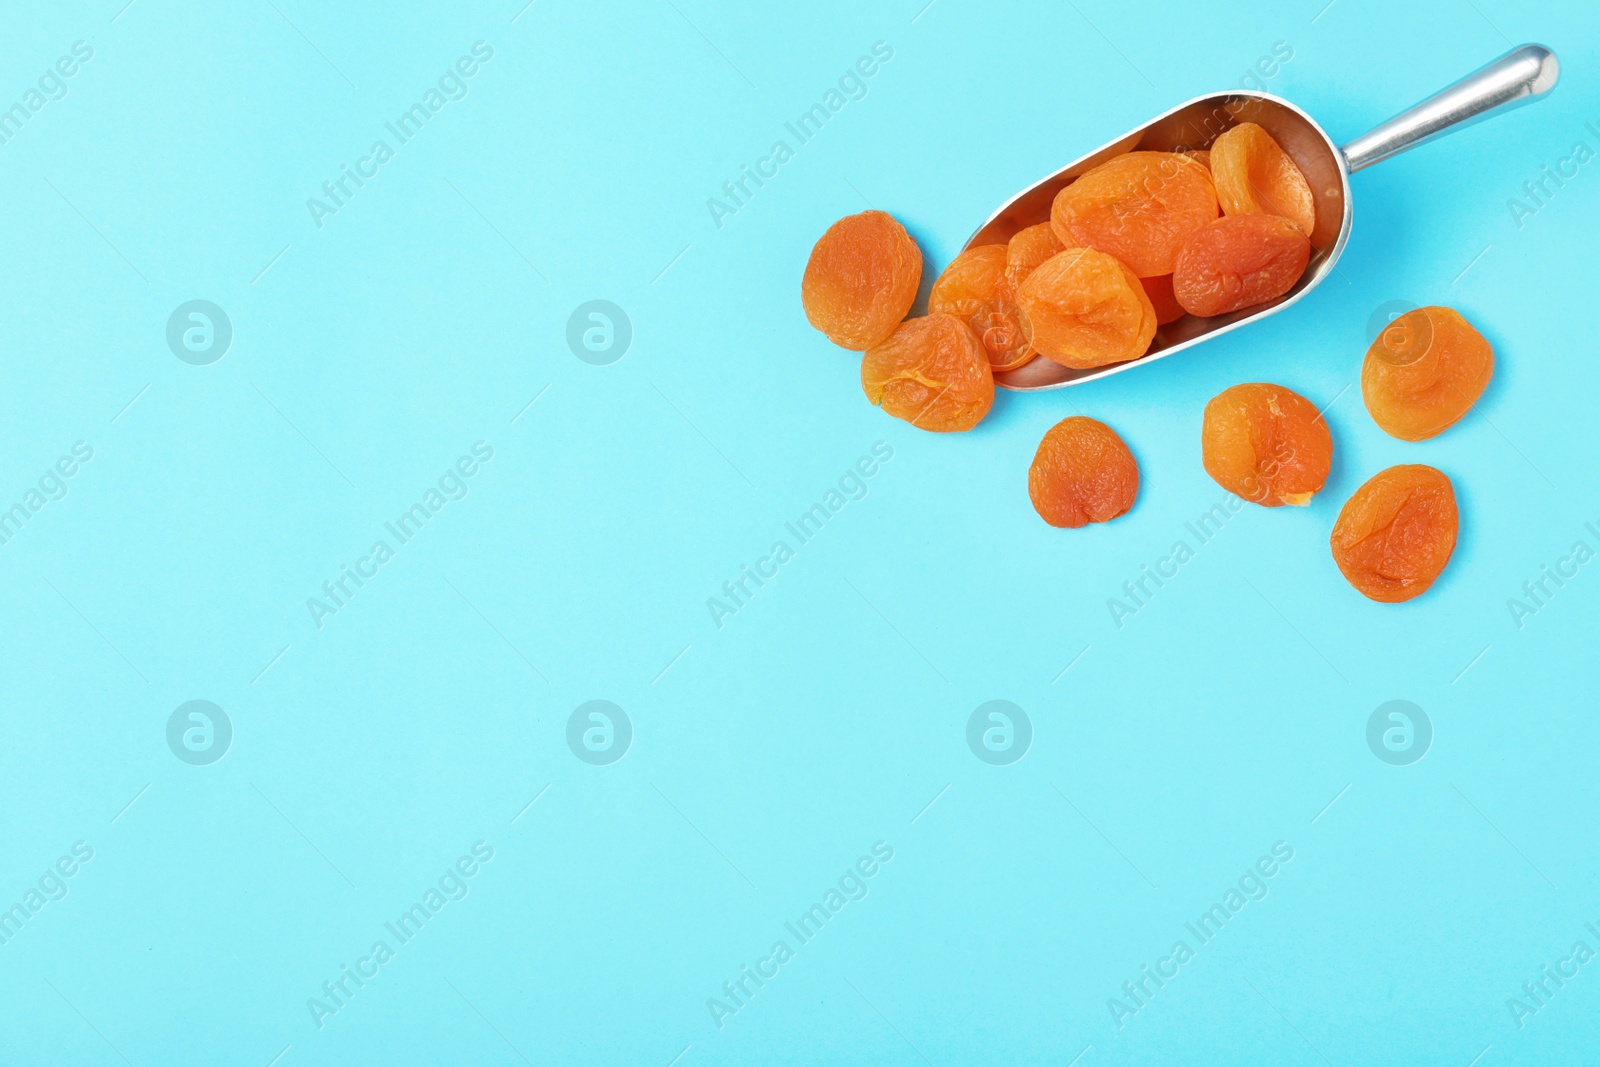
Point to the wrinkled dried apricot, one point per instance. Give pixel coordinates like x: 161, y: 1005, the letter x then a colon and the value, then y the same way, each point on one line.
x: 1139, y: 207
x: 1084, y: 308
x: 1255, y: 176
x: 1082, y: 473
x: 1266, y: 444
x: 1201, y: 156
x: 1395, y: 534
x: 973, y: 288
x: 1424, y: 372
x: 932, y: 372
x: 861, y: 279
x: 1159, y: 290
x: 969, y: 281
x: 1027, y: 249
x: 1238, y: 261
x: 998, y: 325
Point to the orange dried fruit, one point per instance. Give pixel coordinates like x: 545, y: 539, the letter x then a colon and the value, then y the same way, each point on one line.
x: 1201, y: 156
x: 1082, y: 473
x: 1396, y: 533
x: 969, y: 281
x: 973, y: 288
x: 932, y: 372
x: 1424, y: 372
x: 998, y: 325
x: 1159, y: 290
x: 1084, y: 308
x: 1255, y: 176
x: 1266, y: 444
x: 1238, y: 261
x: 861, y: 279
x: 1139, y: 207
x: 1028, y: 248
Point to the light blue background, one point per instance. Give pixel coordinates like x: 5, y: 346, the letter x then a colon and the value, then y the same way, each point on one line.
x: 825, y: 716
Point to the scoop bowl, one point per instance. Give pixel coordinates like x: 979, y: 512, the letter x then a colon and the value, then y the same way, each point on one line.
x: 1521, y: 75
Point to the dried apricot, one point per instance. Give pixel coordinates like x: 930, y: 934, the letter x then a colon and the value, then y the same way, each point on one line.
x: 1139, y: 207
x: 1028, y: 248
x: 1201, y: 156
x: 1082, y: 473
x: 1266, y: 444
x: 1424, y: 372
x: 969, y: 282
x: 973, y: 288
x: 1255, y: 176
x: 1238, y: 261
x: 861, y: 279
x: 998, y: 325
x: 1085, y: 309
x: 932, y: 372
x: 1395, y: 534
x: 1159, y: 290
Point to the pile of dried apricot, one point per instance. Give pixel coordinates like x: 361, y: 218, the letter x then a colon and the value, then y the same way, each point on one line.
x: 1132, y: 245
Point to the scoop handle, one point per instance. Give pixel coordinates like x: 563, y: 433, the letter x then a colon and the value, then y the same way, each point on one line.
x: 1523, y: 74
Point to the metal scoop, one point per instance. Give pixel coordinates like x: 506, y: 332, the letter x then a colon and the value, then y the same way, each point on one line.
x: 1522, y: 74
